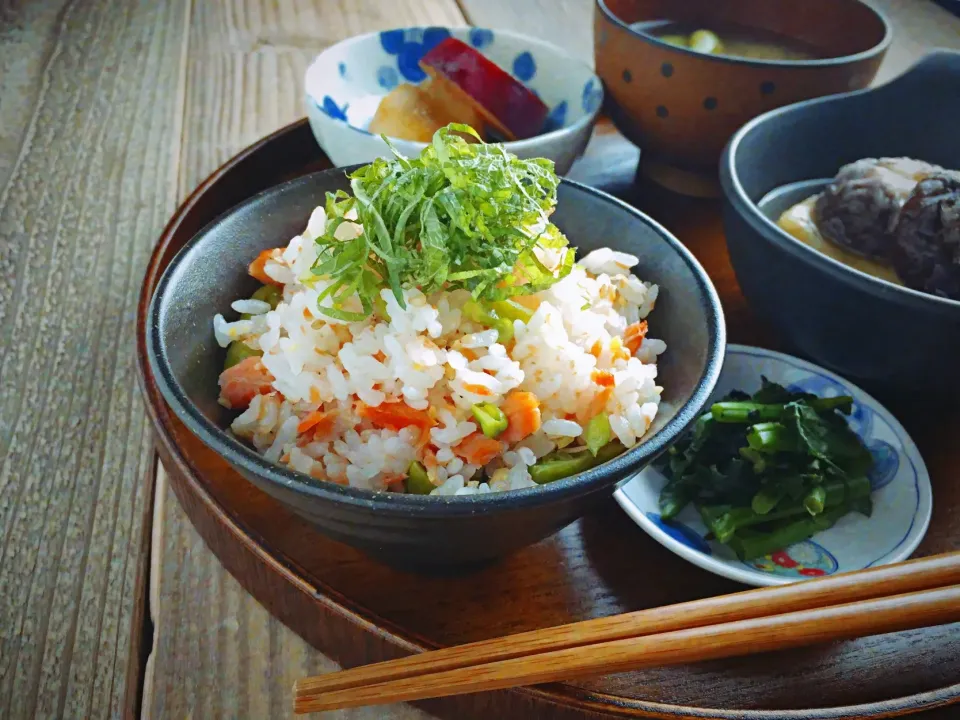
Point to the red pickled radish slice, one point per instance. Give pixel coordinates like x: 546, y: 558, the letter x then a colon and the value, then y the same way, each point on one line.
x: 506, y: 99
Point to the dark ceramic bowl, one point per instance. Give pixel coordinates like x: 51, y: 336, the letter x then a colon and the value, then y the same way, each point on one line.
x: 887, y: 337
x: 411, y: 530
x: 681, y: 107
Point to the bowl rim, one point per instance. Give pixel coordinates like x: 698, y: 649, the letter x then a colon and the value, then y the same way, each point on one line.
x: 247, y: 460
x: 878, y: 49
x: 750, y: 211
x: 512, y: 145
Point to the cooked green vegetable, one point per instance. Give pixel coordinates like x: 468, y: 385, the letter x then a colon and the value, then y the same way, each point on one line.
x: 752, y: 544
x: 706, y: 42
x: 417, y: 481
x: 762, y: 469
x: 816, y: 500
x: 597, y: 433
x: 511, y: 310
x: 559, y: 465
x: 725, y: 520
x: 752, y: 412
x: 460, y: 215
x: 491, y: 318
x: 491, y: 419
x: 269, y: 294
x: 237, y: 352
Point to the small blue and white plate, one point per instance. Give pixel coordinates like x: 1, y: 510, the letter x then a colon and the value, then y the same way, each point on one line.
x: 902, y: 498
x: 346, y: 82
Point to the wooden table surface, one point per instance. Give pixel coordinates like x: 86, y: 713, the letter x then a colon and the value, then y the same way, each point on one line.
x: 111, y: 111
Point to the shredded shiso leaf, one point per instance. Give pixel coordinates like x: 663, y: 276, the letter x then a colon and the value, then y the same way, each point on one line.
x: 460, y: 216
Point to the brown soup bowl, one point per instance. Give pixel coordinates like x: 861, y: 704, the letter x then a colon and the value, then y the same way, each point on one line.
x: 681, y: 106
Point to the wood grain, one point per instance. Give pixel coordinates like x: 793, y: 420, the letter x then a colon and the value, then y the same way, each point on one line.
x: 217, y: 652
x: 883, y: 581
x: 928, y: 608
x: 85, y: 173
x: 566, y: 23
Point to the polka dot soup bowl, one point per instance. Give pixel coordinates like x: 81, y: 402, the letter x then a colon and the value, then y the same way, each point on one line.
x: 345, y: 84
x: 681, y: 106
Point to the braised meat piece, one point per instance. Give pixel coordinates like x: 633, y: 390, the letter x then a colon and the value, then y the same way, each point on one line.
x: 926, y: 246
x: 859, y: 209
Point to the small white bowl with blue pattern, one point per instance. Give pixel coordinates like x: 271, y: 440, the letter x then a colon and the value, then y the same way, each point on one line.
x: 902, y: 498
x: 345, y: 84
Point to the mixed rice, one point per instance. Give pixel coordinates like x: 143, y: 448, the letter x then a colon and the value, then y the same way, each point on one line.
x: 441, y: 393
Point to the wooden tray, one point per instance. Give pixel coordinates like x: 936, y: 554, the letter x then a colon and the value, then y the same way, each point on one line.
x: 358, y: 611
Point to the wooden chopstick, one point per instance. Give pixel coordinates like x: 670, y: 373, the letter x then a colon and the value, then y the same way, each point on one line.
x: 921, y: 574
x: 711, y: 642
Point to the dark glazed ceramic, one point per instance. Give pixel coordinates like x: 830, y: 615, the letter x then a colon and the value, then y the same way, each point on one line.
x: 411, y: 530
x: 681, y: 107
x: 885, y: 336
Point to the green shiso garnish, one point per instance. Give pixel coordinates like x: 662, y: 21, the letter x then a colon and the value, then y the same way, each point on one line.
x: 460, y: 216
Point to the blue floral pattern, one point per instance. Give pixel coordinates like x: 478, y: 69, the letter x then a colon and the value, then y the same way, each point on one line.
x: 410, y: 46
x: 886, y: 463
x: 592, y: 96
x: 860, y: 419
x: 345, y: 82
x: 524, y: 67
x: 387, y: 77
x: 331, y: 108
x: 681, y: 533
x: 804, y: 559
x: 556, y: 118
x: 480, y: 38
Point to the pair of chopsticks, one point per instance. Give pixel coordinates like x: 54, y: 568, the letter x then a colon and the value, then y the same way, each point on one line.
x: 919, y: 593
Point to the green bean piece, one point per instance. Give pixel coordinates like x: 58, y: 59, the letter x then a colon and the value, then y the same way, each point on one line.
x: 673, y: 498
x: 705, y: 41
x: 745, y: 412
x: 512, y: 310
x: 816, y: 500
x: 266, y: 293
x: 504, y: 330
x: 417, y: 481
x: 766, y: 500
x: 562, y: 465
x: 475, y: 312
x: 749, y: 545
x: 771, y: 437
x: 753, y: 412
x: 598, y: 433
x: 237, y: 352
x: 491, y: 419
x: 269, y: 294
x: 725, y: 520
x: 755, y: 457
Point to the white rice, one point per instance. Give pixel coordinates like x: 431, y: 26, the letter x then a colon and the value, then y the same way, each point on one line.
x: 433, y: 359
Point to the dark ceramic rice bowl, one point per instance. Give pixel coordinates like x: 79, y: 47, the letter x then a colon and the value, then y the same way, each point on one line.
x: 415, y: 531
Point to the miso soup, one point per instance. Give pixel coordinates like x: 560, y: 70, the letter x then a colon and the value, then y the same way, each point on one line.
x: 732, y: 40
